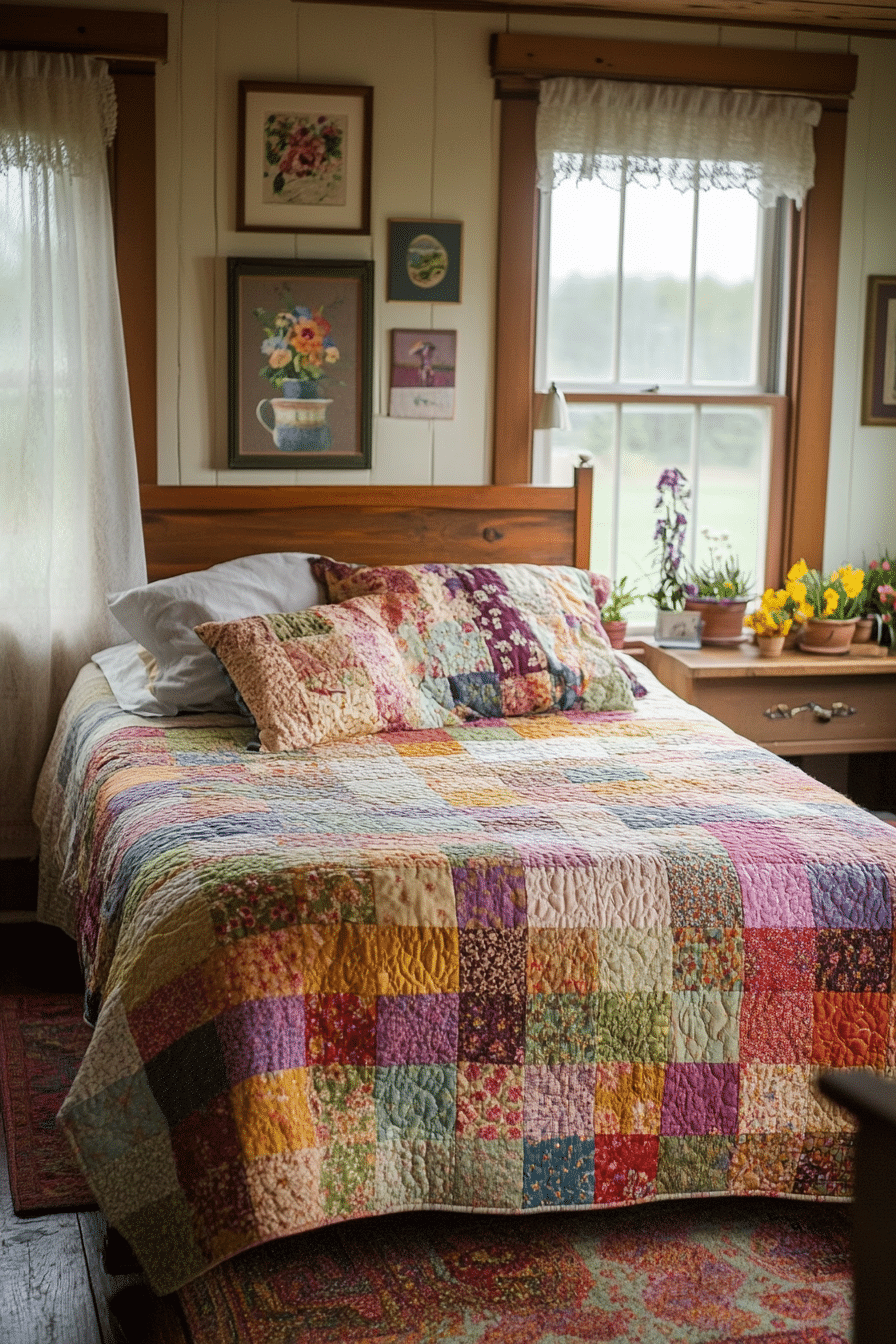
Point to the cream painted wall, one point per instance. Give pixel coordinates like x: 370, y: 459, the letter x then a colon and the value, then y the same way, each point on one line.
x: 434, y: 155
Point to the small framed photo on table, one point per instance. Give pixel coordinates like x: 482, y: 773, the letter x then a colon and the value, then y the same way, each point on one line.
x: 304, y: 158
x: 421, y: 384
x: 424, y: 261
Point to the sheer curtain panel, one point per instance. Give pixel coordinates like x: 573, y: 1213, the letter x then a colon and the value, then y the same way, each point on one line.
x: 70, y: 527
x: 604, y: 128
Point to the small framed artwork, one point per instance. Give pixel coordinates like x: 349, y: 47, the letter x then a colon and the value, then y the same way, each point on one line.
x: 424, y: 261
x: 304, y: 158
x: 421, y: 385
x: 879, y: 376
x: 300, y: 363
x: 678, y: 629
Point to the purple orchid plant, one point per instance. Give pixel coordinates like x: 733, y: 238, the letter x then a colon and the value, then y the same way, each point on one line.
x: 672, y: 499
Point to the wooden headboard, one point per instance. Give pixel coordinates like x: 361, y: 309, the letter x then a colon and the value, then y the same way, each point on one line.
x: 191, y: 527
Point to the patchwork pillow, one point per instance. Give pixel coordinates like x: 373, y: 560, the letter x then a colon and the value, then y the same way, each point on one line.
x: 495, y: 641
x: 321, y: 674
x: 162, y: 617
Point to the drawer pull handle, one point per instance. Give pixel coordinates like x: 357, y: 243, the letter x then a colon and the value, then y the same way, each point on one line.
x: 837, y: 710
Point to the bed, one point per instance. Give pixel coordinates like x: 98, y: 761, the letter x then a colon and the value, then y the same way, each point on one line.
x: 533, y: 961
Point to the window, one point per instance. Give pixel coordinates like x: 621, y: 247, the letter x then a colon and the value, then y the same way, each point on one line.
x: 800, y: 411
x: 675, y: 297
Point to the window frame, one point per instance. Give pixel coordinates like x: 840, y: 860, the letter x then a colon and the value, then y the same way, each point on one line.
x: 802, y: 414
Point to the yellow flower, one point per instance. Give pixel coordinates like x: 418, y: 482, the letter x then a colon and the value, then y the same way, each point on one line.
x: 796, y: 590
x: 853, y: 580
x: 831, y: 601
x: 798, y: 570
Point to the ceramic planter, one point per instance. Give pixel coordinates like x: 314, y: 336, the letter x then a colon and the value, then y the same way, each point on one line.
x: 723, y: 618
x: 616, y: 632
x: 770, y: 646
x: 827, y: 636
x: 863, y: 631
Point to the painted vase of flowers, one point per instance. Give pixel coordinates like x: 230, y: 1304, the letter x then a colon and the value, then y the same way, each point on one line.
x: 299, y: 350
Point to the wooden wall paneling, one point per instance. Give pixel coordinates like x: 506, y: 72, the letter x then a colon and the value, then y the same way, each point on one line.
x: 516, y: 279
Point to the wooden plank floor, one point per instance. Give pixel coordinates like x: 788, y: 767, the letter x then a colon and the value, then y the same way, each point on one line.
x: 53, y: 1286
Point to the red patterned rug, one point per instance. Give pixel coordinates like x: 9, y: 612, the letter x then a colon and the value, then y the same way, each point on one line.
x: 741, y: 1271
x: 42, y: 1041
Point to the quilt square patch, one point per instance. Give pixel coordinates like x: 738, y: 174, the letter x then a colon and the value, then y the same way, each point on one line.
x: 710, y: 958
x: 417, y: 1029
x: 625, y: 1167
x: 416, y: 961
x: 348, y: 1179
x: 773, y: 1098
x: 693, y: 1164
x: 493, y: 961
x: 763, y: 1163
x: 414, y: 1173
x: 635, y: 960
x: 415, y: 1101
x: 849, y: 961
x: 775, y: 1027
x: 489, y: 895
x: 779, y: 959
x: 849, y: 1030
x: 491, y: 1028
x: 490, y: 1101
x: 705, y: 1026
x: 340, y: 1029
x: 272, y: 1113
x: 262, y: 1036
x: 341, y: 1104
x: 562, y: 961
x: 850, y: 895
x: 333, y: 895
x: 704, y: 889
x: 559, y: 1101
x: 188, y: 1074
x: 169, y: 1013
x: 700, y: 1099
x: 628, y: 1098
x: 558, y: 1172
x: 632, y: 1027
x: 286, y: 1190
x: 562, y: 1028
x: 488, y: 1175
x: 825, y: 1168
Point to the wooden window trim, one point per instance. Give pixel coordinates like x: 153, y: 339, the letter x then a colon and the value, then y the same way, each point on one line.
x: 132, y: 41
x: 796, y: 518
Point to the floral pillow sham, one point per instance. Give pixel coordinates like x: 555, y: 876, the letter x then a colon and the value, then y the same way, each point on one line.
x: 321, y: 674
x: 494, y: 641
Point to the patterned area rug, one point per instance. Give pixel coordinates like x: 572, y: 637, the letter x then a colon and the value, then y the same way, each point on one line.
x: 42, y: 1041
x: 740, y: 1271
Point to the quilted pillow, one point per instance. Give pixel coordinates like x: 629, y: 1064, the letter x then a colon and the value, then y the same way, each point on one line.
x: 495, y: 641
x: 321, y: 674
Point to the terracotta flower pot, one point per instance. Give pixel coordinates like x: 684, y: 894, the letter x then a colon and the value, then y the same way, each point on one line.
x: 616, y: 632
x: 723, y: 618
x: 770, y: 646
x: 863, y: 630
x: 827, y: 636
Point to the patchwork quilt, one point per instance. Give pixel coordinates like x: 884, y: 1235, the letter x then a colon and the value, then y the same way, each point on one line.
x: 552, y: 962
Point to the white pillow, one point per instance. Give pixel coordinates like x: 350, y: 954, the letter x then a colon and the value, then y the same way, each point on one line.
x: 129, y: 670
x: 160, y: 616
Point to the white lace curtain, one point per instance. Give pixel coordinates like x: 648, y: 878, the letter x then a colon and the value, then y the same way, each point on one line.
x: 69, y: 506
x: 597, y: 128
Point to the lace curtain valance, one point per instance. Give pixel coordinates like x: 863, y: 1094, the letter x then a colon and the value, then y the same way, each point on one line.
x: 57, y: 111
x: 589, y: 128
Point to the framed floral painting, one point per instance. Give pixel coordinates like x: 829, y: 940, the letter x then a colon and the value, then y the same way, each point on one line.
x: 304, y: 158
x: 300, y: 360
x: 879, y: 375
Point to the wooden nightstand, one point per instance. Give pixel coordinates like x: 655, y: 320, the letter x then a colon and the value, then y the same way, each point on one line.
x: 850, y: 701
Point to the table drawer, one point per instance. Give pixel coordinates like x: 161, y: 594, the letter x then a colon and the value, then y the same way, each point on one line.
x: 743, y: 705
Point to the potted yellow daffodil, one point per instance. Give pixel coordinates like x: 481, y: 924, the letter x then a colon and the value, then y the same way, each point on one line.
x: 830, y: 604
x: 772, y: 621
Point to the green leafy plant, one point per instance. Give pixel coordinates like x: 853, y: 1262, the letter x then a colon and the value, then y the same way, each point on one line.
x: 620, y: 599
x: 721, y: 577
